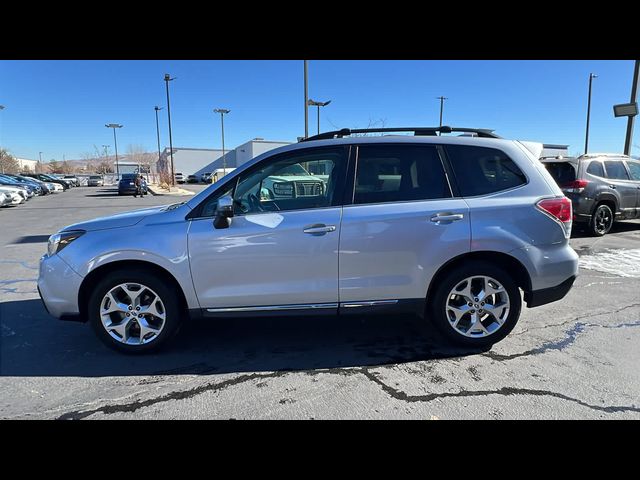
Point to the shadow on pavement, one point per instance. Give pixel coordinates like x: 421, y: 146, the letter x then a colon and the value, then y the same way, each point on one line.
x: 105, y: 192
x: 35, y: 344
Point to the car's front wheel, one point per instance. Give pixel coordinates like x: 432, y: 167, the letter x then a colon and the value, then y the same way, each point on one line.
x: 476, y: 304
x: 134, y: 311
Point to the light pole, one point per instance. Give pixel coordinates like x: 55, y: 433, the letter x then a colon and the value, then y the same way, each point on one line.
x: 167, y: 79
x: 157, y: 109
x: 586, y: 137
x: 222, y: 112
x: 442, y: 99
x: 40, y: 154
x: 630, y: 120
x: 1, y: 108
x: 313, y: 103
x: 115, y: 143
x: 306, y: 99
x: 106, y: 151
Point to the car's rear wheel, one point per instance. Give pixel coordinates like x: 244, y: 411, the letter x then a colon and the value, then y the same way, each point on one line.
x: 134, y: 311
x: 601, y: 221
x: 475, y: 305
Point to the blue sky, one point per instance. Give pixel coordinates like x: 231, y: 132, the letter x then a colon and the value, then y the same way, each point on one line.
x: 60, y: 107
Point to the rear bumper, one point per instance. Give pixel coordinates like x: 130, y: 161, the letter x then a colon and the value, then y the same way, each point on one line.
x: 536, y: 298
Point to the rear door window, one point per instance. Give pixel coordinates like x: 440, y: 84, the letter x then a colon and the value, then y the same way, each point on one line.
x: 481, y: 170
x: 634, y: 168
x: 595, y: 168
x: 399, y: 173
x: 616, y: 170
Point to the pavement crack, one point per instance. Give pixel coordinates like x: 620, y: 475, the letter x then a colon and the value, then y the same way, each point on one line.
x: 570, y: 336
x: 504, y: 391
x: 575, y: 319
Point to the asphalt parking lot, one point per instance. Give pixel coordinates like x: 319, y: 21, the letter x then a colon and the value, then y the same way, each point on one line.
x: 573, y: 359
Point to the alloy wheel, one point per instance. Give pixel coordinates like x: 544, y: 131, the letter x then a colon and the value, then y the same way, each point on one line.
x: 477, y: 306
x: 132, y: 314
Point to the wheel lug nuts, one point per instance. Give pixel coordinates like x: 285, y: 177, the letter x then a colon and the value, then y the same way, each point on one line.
x: 475, y: 299
x: 482, y: 303
x: 470, y: 304
x: 128, y: 314
x: 472, y: 311
x: 130, y: 307
x: 137, y: 308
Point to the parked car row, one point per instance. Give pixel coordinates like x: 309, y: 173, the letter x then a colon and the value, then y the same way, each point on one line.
x: 17, y: 189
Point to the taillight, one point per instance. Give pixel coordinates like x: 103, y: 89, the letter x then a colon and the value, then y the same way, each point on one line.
x: 577, y: 186
x: 560, y: 210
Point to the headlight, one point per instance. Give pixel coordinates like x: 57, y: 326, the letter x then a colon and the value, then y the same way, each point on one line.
x: 60, y: 240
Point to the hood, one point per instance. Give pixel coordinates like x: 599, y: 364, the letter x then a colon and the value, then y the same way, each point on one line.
x: 10, y: 188
x: 119, y: 220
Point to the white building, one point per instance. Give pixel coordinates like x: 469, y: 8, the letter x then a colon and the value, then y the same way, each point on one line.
x: 196, y: 161
x: 26, y: 164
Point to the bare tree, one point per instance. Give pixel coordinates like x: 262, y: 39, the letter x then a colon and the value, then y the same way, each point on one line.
x: 54, y: 166
x: 39, y: 168
x: 8, y: 163
x: 138, y: 154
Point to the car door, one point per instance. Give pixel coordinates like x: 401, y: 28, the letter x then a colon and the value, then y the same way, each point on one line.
x: 634, y: 171
x: 401, y: 225
x: 280, y: 251
x: 619, y: 181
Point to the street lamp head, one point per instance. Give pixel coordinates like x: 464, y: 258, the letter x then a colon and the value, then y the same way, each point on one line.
x: 313, y: 103
x: 113, y: 125
x: 221, y: 110
x: 156, y: 108
x: 593, y: 75
x: 168, y: 78
x: 1, y: 107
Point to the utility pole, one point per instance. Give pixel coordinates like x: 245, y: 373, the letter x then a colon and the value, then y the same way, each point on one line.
x: 222, y: 112
x: 630, y: 120
x: 586, y: 136
x: 442, y: 99
x: 306, y: 99
x: 157, y: 109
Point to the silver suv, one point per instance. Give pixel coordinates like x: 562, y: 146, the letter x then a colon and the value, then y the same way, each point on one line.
x: 448, y: 227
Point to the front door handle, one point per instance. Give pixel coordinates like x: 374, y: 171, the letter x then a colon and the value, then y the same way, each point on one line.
x: 446, y: 217
x: 319, y: 229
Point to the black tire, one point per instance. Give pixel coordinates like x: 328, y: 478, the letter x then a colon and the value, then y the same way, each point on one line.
x: 601, y: 220
x: 169, y: 298
x: 436, y: 306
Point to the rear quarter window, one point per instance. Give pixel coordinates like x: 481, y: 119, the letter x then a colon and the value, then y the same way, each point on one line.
x: 481, y: 170
x: 634, y: 168
x: 595, y: 168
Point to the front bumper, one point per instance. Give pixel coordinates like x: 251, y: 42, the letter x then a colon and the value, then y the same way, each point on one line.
x: 58, y: 286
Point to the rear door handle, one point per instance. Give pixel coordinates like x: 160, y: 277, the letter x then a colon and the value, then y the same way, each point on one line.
x: 446, y: 217
x: 319, y: 229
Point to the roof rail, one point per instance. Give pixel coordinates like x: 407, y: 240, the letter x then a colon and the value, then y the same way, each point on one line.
x: 480, y: 132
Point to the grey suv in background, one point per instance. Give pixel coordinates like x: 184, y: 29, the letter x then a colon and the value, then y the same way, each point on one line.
x: 603, y: 187
x: 448, y: 227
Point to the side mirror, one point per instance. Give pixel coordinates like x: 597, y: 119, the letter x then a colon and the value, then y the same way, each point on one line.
x: 224, y: 212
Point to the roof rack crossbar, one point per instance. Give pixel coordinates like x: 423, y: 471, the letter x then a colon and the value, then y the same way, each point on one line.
x: 480, y: 132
